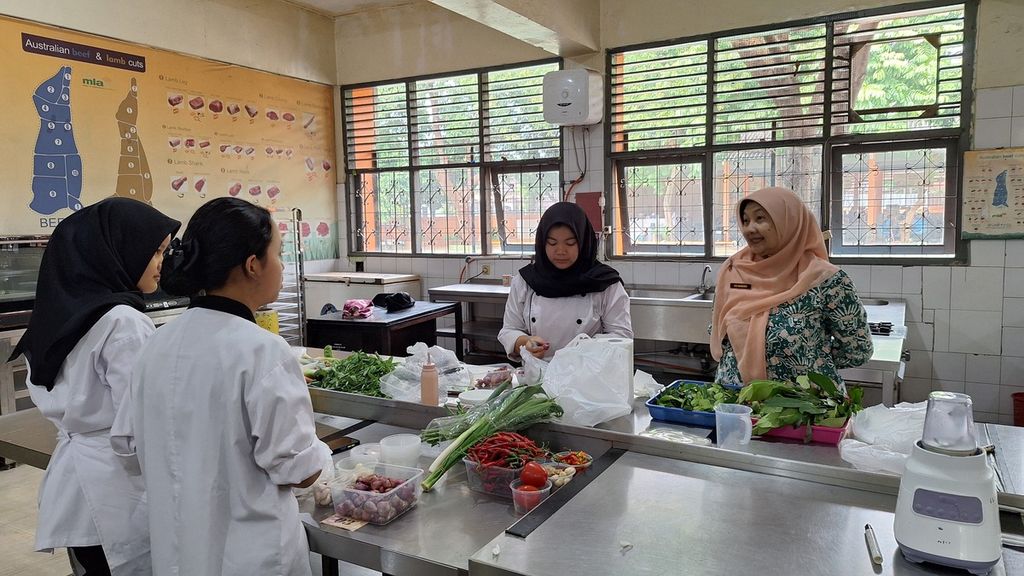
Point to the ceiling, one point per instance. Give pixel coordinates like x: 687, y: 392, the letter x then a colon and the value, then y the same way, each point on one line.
x: 339, y: 7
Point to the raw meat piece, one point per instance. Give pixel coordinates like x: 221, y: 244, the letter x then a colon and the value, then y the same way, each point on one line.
x: 200, y: 184
x: 288, y: 116
x: 190, y: 142
x: 204, y: 143
x: 255, y: 190
x: 273, y: 191
x: 327, y: 166
x: 309, y: 121
x: 238, y: 149
x: 216, y: 106
x: 252, y: 111
x: 196, y: 103
x: 249, y: 151
x: 322, y: 229
x: 177, y: 182
x: 224, y: 147
x: 174, y: 142
x: 271, y: 114
x: 310, y: 163
x: 175, y: 99
x: 235, y: 189
x: 233, y: 109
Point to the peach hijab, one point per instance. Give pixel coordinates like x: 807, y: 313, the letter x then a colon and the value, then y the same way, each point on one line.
x: 748, y: 289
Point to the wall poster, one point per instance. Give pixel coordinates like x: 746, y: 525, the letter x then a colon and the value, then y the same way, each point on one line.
x: 993, y: 198
x: 87, y: 117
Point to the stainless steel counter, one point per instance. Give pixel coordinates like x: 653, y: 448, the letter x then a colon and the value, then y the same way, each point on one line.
x: 650, y: 515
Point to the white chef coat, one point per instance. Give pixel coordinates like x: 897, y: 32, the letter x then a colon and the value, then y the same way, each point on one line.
x: 91, y: 496
x: 559, y: 320
x: 223, y: 424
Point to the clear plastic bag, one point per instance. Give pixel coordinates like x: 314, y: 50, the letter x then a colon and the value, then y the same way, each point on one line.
x: 882, y: 437
x: 592, y: 380
x: 403, y: 383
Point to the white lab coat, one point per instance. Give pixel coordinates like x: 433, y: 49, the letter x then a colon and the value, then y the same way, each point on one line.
x: 559, y: 320
x: 223, y: 424
x: 91, y: 496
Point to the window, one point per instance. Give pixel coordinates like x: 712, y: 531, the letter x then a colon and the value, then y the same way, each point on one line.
x: 864, y: 116
x: 454, y: 164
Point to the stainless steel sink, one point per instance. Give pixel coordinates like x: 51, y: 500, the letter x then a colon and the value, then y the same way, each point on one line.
x: 701, y: 297
x: 669, y: 314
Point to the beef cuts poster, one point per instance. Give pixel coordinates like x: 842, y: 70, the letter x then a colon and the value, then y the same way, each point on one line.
x: 86, y: 118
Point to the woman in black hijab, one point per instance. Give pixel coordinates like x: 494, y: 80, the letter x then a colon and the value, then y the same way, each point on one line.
x: 565, y: 291
x: 87, y: 328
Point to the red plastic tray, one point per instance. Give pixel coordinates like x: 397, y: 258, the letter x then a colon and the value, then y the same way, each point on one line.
x: 822, y: 434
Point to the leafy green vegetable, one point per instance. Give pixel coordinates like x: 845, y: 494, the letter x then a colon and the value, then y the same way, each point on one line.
x: 691, y: 396
x: 359, y: 373
x: 813, y: 400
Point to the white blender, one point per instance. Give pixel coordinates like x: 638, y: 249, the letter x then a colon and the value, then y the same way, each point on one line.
x: 946, y: 512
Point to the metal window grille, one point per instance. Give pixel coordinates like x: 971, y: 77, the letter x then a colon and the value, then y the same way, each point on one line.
x: 416, y: 151
x: 787, y: 106
x: 662, y: 207
x: 516, y: 199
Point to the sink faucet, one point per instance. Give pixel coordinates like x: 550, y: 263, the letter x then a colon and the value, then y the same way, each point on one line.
x: 703, y: 286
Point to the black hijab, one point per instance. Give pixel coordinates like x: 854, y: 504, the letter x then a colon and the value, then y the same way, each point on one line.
x: 586, y: 275
x: 93, y: 262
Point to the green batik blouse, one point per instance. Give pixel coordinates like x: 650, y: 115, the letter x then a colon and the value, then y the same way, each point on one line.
x: 821, y: 331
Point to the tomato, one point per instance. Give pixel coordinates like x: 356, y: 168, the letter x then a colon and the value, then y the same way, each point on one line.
x: 533, y: 475
x: 527, y: 488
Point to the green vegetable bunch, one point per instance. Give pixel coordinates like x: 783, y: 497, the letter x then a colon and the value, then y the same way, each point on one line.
x: 813, y: 400
x: 359, y: 373
x: 692, y: 396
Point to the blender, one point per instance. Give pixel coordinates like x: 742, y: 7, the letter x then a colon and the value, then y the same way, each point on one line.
x: 946, y: 511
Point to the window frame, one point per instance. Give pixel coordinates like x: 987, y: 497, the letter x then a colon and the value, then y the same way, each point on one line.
x: 955, y: 139
x: 483, y: 167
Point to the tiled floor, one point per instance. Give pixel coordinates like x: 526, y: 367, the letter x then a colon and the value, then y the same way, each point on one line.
x: 18, y: 490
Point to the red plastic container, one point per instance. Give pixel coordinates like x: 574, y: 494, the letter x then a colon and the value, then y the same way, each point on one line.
x: 821, y: 434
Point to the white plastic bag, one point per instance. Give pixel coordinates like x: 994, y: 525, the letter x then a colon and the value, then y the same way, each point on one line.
x: 404, y: 382
x: 592, y: 380
x: 883, y: 437
x: 533, y: 368
x: 645, y: 386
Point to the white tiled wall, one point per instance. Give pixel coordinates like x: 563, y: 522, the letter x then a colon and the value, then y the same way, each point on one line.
x: 965, y: 324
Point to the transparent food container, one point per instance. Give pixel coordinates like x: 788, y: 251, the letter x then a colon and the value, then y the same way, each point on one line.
x: 526, y: 498
x: 375, y: 507
x: 492, y: 479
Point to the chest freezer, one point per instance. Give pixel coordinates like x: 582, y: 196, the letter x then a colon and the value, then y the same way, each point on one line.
x: 337, y: 287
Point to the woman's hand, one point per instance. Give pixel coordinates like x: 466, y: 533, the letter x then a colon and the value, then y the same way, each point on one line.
x: 534, y: 345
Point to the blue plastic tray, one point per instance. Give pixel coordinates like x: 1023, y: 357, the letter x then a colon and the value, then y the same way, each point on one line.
x: 678, y: 415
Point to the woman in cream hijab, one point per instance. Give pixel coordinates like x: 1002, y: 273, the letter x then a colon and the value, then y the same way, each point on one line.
x: 781, y: 308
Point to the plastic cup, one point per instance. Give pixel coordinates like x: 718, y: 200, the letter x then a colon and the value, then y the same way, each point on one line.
x: 732, y: 425
x: 526, y: 500
x: 400, y: 450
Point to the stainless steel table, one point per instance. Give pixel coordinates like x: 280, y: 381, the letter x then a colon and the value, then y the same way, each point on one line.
x: 651, y: 515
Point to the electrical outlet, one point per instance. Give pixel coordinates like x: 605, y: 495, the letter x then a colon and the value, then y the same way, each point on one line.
x: 485, y: 269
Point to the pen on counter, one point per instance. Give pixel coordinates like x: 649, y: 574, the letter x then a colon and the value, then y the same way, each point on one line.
x: 869, y: 537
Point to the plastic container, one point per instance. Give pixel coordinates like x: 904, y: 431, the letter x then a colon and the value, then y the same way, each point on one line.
x: 579, y: 467
x: 526, y: 500
x: 732, y: 425
x: 679, y: 415
x: 400, y: 450
x: 491, y: 480
x: 374, y: 507
x: 365, y: 454
x: 821, y: 434
x: 474, y: 397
